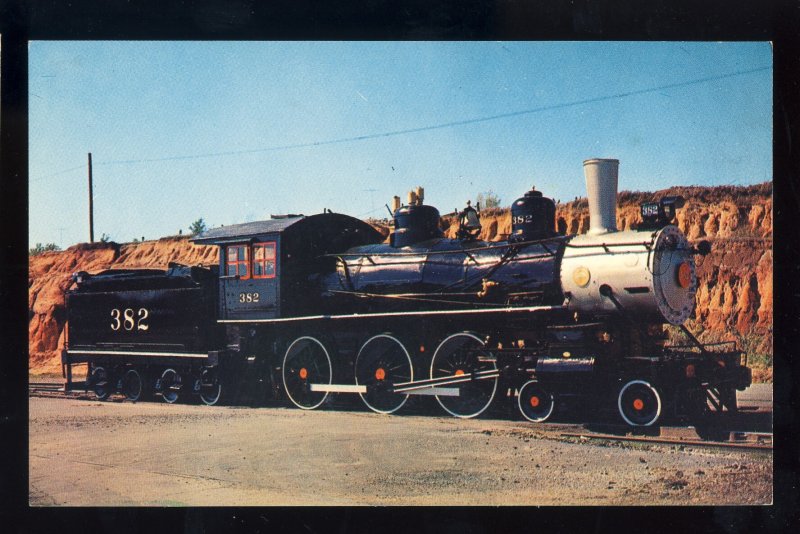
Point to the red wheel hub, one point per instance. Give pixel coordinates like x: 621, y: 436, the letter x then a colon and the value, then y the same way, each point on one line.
x: 303, y: 373
x: 380, y: 373
x: 638, y: 404
x: 535, y: 401
x: 459, y: 372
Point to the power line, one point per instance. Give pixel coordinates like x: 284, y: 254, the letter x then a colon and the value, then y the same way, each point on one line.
x: 373, y: 210
x: 420, y: 129
x: 59, y: 172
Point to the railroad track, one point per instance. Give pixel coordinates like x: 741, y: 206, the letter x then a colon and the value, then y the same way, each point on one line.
x: 668, y: 435
x: 45, y: 386
x: 49, y: 389
x: 736, y: 439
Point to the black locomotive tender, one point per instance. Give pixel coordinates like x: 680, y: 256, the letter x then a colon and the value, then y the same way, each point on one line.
x: 302, y: 307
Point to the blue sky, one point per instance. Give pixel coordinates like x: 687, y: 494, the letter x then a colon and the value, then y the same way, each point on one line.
x: 182, y: 130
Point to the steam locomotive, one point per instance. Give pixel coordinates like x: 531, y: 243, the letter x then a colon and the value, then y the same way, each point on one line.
x: 302, y: 307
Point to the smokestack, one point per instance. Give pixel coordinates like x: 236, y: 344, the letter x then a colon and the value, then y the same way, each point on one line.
x: 601, y: 189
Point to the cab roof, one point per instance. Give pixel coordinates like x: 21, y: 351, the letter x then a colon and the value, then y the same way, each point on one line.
x: 354, y: 231
x: 242, y: 231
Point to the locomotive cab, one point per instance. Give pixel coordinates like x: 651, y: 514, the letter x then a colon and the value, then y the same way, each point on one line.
x: 267, y: 267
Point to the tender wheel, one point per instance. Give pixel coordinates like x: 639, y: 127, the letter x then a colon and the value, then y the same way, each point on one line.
x: 100, y: 383
x: 639, y: 403
x: 210, y: 388
x: 306, y: 362
x: 132, y: 385
x: 382, y: 362
x: 457, y: 355
x: 535, y: 402
x: 170, y: 385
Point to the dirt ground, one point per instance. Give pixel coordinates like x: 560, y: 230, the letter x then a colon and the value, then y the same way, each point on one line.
x: 152, y: 454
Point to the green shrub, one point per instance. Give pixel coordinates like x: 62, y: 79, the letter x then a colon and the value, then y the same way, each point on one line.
x: 198, y: 227
x: 39, y: 248
x: 488, y: 200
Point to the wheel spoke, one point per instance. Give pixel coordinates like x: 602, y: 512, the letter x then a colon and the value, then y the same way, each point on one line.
x: 381, y: 362
x: 210, y: 393
x: 132, y: 385
x: 309, y: 354
x: 169, y: 380
x: 457, y: 355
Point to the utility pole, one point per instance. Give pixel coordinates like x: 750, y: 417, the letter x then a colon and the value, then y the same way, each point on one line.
x: 91, y: 203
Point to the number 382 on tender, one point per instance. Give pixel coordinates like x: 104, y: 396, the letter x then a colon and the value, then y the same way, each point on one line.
x: 129, y: 319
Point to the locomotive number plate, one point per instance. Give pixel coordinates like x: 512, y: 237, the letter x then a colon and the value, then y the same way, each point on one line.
x: 128, y: 319
x: 249, y: 297
x: 649, y: 210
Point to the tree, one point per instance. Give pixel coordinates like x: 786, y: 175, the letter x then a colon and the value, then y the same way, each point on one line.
x: 105, y: 238
x: 488, y: 200
x: 198, y: 227
x: 39, y: 248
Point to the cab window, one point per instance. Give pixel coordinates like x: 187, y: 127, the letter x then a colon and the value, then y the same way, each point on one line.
x: 238, y: 261
x: 264, y: 260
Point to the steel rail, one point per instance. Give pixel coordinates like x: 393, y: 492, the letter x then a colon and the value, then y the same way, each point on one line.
x: 45, y: 386
x: 670, y: 441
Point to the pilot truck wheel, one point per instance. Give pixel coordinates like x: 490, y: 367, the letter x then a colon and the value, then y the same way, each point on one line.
x: 535, y: 403
x: 639, y: 403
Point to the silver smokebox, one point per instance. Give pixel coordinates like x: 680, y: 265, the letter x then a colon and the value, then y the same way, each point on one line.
x: 601, y: 190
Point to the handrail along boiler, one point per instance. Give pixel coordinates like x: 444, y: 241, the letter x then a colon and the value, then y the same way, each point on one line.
x: 301, y: 307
